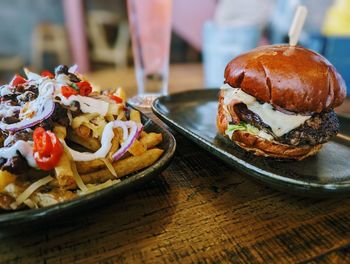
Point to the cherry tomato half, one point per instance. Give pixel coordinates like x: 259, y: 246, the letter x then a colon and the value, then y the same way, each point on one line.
x: 47, y: 149
x: 47, y: 74
x: 68, y: 91
x: 117, y: 99
x: 42, y: 142
x: 18, y: 79
x: 84, y: 88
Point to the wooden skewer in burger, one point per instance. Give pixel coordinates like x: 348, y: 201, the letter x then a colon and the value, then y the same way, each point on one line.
x: 278, y: 100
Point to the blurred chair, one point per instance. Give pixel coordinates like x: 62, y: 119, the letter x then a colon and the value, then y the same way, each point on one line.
x: 102, y: 51
x: 52, y: 39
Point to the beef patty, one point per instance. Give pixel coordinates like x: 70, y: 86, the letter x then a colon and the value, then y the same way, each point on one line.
x: 318, y: 129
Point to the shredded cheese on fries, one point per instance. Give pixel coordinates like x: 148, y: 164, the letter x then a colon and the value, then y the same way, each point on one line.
x: 93, y: 121
x: 110, y: 167
x: 30, y: 190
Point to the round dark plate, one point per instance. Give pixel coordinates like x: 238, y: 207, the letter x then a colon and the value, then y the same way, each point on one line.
x: 193, y: 114
x: 87, y: 202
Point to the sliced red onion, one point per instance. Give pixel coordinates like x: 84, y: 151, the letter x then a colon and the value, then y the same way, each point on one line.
x: 45, y: 112
x: 133, y: 135
x: 43, y: 106
x: 73, y: 68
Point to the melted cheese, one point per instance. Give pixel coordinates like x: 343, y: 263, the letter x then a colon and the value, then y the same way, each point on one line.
x: 279, y: 122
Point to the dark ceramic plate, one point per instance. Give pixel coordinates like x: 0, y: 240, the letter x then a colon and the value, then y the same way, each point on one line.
x: 87, y: 202
x: 193, y: 114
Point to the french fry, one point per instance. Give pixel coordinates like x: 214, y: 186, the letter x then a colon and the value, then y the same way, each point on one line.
x: 143, y: 134
x: 120, y: 93
x: 125, y: 166
x: 122, y: 167
x: 135, y: 116
x: 121, y: 116
x: 60, y: 131
x: 83, y: 131
x: 52, y: 197
x: 90, y: 143
x: 6, y: 178
x: 90, y: 166
x: 115, y: 143
x: 151, y: 140
x: 63, y: 170
x: 137, y: 148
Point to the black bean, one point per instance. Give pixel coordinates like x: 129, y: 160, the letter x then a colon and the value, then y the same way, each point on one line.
x: 47, y: 124
x: 19, y: 89
x: 16, y: 165
x: 33, y: 89
x: 10, y: 119
x: 60, y: 115
x: 73, y: 78
x: 27, y: 96
x: 25, y: 135
x: 7, y: 97
x: 61, y: 69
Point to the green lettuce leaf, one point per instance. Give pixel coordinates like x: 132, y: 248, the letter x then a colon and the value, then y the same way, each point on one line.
x: 242, y: 127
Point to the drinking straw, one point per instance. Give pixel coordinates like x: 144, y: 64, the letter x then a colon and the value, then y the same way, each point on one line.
x: 297, y: 25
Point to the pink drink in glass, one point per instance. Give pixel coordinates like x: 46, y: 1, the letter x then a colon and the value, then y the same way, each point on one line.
x: 150, y: 25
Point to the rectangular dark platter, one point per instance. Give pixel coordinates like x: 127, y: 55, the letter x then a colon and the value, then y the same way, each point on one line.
x: 193, y: 114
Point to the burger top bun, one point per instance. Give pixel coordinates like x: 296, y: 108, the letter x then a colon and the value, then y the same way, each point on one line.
x: 295, y: 79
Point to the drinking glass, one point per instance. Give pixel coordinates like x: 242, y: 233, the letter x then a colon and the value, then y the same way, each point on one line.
x: 150, y: 26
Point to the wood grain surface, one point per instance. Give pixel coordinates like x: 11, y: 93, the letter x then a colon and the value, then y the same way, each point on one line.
x: 197, y: 211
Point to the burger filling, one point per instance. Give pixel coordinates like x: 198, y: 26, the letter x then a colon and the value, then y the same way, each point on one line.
x: 245, y: 113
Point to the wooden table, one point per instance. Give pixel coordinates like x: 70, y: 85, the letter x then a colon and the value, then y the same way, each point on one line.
x: 198, y: 210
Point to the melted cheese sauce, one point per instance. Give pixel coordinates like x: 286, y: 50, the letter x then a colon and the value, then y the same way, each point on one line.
x: 279, y: 122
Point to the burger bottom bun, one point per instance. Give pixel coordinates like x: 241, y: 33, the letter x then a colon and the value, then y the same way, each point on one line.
x: 260, y: 146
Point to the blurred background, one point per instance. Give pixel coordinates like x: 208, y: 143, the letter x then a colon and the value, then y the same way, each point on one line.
x: 95, y: 35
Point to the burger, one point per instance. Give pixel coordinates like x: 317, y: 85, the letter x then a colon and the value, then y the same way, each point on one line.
x: 277, y: 101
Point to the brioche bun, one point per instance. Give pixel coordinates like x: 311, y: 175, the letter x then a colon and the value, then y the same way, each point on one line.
x: 294, y: 79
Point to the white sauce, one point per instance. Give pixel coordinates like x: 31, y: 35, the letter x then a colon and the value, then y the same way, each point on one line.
x: 8, y: 110
x: 87, y: 104
x: 63, y: 79
x: 106, y: 144
x: 5, y: 90
x: 38, y: 105
x: 279, y: 122
x: 23, y: 147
